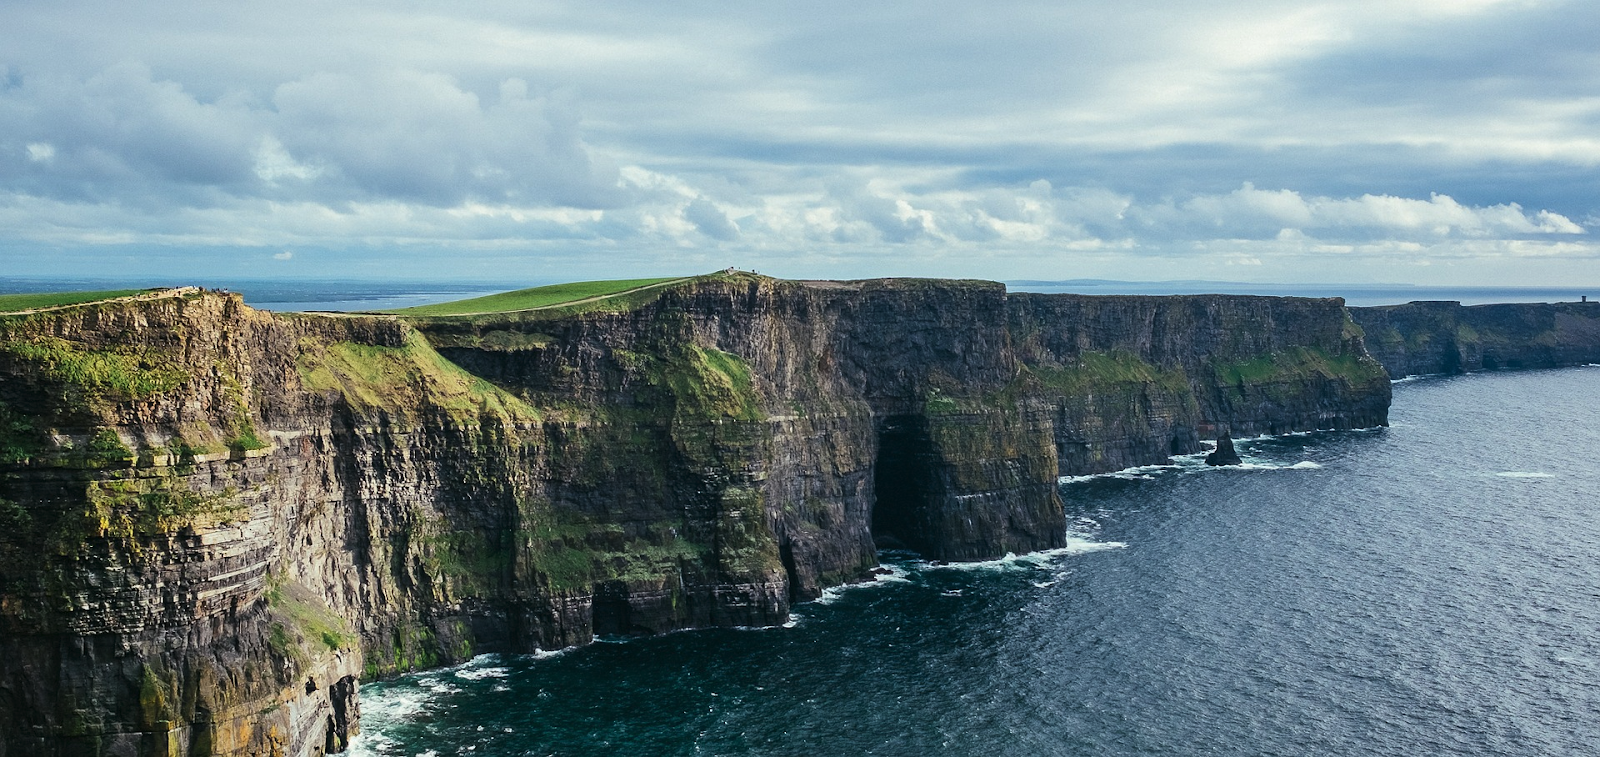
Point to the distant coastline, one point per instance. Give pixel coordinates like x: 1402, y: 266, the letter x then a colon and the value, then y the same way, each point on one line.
x: 1355, y: 295
x: 380, y: 295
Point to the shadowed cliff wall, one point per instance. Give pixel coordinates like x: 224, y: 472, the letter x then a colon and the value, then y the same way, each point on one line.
x: 1420, y: 338
x: 1131, y: 380
x: 214, y: 522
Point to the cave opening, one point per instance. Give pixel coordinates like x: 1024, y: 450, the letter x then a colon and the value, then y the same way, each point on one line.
x: 904, y: 485
x: 610, y: 609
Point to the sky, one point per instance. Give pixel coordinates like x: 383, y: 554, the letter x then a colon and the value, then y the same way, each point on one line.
x: 1439, y: 142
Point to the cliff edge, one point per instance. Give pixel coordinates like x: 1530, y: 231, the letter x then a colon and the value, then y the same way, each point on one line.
x: 1422, y: 338
x: 215, y: 521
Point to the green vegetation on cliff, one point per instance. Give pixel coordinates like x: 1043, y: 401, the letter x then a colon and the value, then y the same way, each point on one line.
x: 1098, y: 371
x: 402, y: 379
x: 303, y: 627
x: 707, y: 383
x: 90, y: 378
x: 1296, y: 364
x: 537, y: 297
x: 130, y: 507
x: 573, y: 552
x: 19, y: 438
x: 11, y: 303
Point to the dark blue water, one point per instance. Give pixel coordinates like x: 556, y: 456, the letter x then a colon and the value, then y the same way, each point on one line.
x: 1431, y: 588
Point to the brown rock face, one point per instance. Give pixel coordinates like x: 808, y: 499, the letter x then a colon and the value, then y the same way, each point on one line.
x: 215, y: 522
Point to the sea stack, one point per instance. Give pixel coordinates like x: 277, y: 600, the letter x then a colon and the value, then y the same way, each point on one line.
x: 1224, y: 453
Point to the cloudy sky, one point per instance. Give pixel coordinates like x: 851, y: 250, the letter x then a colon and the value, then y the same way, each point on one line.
x: 1411, y: 141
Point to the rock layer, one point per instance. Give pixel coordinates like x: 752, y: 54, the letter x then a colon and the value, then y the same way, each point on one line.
x: 215, y: 522
x: 1421, y: 338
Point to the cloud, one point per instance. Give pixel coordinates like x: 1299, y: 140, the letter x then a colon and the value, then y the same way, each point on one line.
x: 123, y: 134
x: 710, y: 220
x: 1030, y: 134
x: 1256, y: 213
x: 285, y: 255
x: 420, y: 136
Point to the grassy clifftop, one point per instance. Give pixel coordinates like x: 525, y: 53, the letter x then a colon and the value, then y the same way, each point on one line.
x: 12, y: 303
x: 536, y: 298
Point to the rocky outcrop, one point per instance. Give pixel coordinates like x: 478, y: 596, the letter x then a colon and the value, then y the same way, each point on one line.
x: 216, y: 522
x: 1421, y: 338
x: 1224, y: 454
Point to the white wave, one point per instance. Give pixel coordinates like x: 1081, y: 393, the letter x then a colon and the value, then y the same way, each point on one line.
x: 883, y: 575
x: 1524, y: 474
x: 1135, y: 473
x: 1407, y: 379
x: 545, y: 654
x: 1055, y: 579
x: 1032, y: 560
x: 436, y: 686
x: 396, y: 704
x: 1247, y: 465
x: 1195, y: 461
x: 482, y: 673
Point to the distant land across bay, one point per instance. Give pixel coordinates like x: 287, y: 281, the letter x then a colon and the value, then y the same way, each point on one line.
x: 331, y: 295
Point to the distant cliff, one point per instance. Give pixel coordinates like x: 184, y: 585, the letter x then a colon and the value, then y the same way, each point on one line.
x: 1421, y: 338
x: 215, y: 522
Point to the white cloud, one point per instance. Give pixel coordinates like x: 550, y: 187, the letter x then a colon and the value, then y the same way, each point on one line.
x: 285, y: 255
x: 1248, y: 210
x: 1062, y: 131
x: 124, y: 133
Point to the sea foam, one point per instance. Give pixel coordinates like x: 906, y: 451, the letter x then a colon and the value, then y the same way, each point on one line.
x: 884, y: 575
x: 1042, y: 559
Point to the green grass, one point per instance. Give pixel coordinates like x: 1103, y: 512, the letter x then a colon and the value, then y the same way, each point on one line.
x: 528, y: 299
x: 1298, y: 364
x: 372, y: 377
x: 10, y: 303
x: 117, y: 374
x: 305, y: 626
x: 708, y: 383
x: 1100, y: 371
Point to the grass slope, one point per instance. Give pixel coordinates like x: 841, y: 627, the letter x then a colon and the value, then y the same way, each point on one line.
x: 10, y: 303
x: 528, y: 299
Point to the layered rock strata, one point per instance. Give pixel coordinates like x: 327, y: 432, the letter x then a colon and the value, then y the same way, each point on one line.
x: 1421, y: 338
x: 215, y: 522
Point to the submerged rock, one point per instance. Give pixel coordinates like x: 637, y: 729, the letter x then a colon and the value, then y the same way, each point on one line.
x: 1224, y: 454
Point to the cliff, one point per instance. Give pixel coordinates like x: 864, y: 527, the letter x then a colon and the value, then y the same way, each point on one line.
x: 1420, y: 338
x: 215, y: 522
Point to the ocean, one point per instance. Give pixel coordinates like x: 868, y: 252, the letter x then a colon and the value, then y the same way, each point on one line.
x: 1429, y: 588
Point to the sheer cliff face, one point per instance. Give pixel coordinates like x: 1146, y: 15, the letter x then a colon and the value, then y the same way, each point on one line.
x: 1131, y: 380
x: 214, y: 521
x: 1421, y: 338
